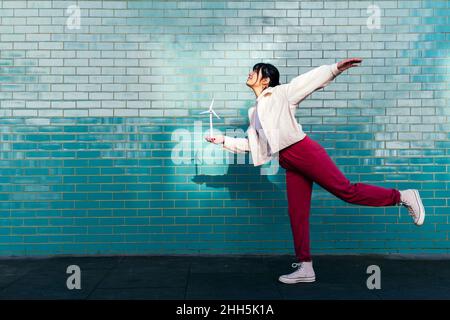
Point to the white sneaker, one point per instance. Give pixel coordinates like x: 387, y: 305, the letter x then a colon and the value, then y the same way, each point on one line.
x: 304, y: 273
x: 411, y: 200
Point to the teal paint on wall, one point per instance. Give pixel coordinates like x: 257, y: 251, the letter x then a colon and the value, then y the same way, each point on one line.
x: 87, y: 117
x: 110, y: 201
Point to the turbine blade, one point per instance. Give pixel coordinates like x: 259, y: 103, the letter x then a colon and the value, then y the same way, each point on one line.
x: 215, y: 114
x: 212, y: 102
x: 207, y: 111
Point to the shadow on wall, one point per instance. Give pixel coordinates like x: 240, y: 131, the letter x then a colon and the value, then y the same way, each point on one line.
x: 244, y: 182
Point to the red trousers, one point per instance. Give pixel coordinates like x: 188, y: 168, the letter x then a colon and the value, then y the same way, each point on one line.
x: 306, y: 162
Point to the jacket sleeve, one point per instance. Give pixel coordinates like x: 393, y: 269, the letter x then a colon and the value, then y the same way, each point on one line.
x: 303, y: 85
x: 236, y: 145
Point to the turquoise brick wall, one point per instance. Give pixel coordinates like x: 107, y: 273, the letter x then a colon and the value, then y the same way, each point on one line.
x: 89, y: 118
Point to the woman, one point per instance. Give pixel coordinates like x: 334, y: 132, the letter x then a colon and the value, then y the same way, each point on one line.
x: 273, y: 128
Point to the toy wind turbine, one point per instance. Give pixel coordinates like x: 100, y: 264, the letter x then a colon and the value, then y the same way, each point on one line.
x: 211, y: 112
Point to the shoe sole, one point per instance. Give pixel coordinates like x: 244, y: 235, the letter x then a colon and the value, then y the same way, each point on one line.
x: 298, y: 280
x: 421, y: 218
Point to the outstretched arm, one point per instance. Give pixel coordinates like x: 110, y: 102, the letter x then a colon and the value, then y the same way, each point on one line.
x: 235, y: 145
x: 303, y: 85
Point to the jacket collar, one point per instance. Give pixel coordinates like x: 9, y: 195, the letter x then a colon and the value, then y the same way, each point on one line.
x: 264, y: 92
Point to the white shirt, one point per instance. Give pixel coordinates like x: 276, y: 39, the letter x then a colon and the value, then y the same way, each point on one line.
x: 276, y: 115
x: 260, y: 130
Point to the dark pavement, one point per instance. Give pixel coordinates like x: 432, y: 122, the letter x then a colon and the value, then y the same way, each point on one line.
x: 232, y: 277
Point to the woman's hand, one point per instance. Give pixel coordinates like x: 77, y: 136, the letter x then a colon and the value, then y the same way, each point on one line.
x: 219, y: 139
x: 348, y: 63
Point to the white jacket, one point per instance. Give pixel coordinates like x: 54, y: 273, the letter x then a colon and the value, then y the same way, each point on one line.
x: 276, y: 111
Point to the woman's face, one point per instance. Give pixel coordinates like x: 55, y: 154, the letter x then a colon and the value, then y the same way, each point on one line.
x: 254, y: 79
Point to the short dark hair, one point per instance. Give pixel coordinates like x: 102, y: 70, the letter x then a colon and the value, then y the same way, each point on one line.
x: 268, y: 70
